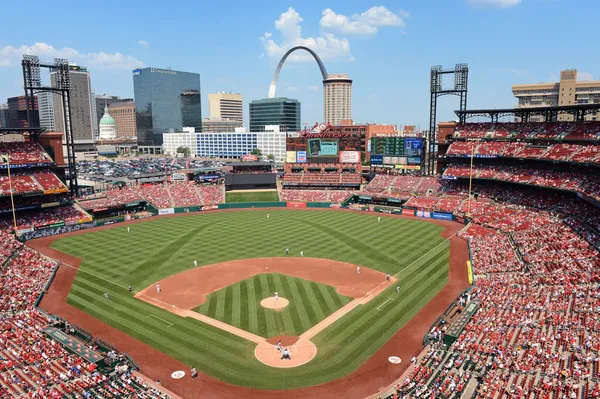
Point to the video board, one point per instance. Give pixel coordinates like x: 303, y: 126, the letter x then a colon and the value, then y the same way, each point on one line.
x: 324, y: 150
x: 397, y: 146
x: 322, y: 147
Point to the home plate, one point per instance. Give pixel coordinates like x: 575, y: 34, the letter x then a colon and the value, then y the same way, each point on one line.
x: 178, y: 374
x: 394, y: 359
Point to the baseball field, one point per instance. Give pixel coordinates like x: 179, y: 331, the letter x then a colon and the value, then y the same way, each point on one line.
x: 160, y: 250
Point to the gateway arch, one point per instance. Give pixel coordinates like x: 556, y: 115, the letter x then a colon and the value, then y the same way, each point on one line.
x: 290, y: 51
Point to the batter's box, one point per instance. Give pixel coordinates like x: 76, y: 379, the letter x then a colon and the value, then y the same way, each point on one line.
x: 161, y: 319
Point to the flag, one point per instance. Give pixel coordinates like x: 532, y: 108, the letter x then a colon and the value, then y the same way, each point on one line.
x: 187, y: 164
x: 173, y: 161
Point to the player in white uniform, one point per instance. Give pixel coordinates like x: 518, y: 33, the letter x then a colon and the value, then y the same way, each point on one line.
x: 357, y: 269
x: 378, y: 219
x: 301, y: 253
x: 128, y: 229
x: 276, y: 295
x: 195, y: 263
x: 158, y: 288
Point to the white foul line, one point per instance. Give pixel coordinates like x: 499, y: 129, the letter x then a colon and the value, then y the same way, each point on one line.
x: 169, y: 323
x: 384, y: 302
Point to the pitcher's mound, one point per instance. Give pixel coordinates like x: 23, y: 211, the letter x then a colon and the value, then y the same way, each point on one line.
x: 271, y: 303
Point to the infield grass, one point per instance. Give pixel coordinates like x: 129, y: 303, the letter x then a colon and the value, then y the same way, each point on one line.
x: 239, y: 304
x: 412, y: 250
x: 252, y: 196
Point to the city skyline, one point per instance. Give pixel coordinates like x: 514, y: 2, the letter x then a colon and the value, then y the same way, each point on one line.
x: 386, y: 49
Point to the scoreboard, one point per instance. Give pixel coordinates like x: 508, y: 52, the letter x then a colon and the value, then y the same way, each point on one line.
x: 399, y: 152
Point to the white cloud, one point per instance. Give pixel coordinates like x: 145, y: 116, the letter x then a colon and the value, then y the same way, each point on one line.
x: 144, y: 43
x: 584, y: 76
x: 291, y: 89
x: 11, y: 56
x: 313, y: 88
x: 327, y: 46
x: 495, y: 3
x: 364, y: 24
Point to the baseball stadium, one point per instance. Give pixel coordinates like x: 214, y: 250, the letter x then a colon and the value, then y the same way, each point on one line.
x: 462, y: 262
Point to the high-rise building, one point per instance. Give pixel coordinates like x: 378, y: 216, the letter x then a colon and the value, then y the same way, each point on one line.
x: 220, y: 125
x: 46, y: 108
x: 3, y: 115
x: 227, y: 106
x: 280, y: 111
x: 337, y: 98
x: 191, y: 109
x: 161, y: 105
x: 568, y: 91
x: 81, y: 105
x: 17, y: 112
x: 124, y: 115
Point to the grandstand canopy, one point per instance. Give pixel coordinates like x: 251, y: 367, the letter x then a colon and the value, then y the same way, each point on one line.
x: 549, y: 113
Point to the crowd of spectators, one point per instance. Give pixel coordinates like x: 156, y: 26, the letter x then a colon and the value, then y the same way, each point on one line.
x: 588, y: 184
x: 31, y: 364
x: 43, y: 217
x: 331, y: 179
x: 401, y: 184
x: 181, y: 194
x: 315, y: 195
x: 23, y: 153
x: 114, y: 197
x: 555, y: 152
x: 589, y: 130
x: 535, y: 333
x: 23, y: 183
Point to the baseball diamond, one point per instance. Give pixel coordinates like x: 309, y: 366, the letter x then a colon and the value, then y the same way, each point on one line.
x: 412, y: 251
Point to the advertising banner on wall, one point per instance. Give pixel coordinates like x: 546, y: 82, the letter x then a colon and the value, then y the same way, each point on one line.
x: 423, y: 214
x: 293, y: 204
x: 376, y: 159
x: 408, y: 212
x: 349, y: 157
x: 301, y: 156
x: 442, y: 216
x: 290, y: 156
x: 166, y: 211
x: 409, y: 167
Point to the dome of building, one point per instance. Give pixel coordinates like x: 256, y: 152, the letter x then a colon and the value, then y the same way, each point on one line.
x: 108, y: 127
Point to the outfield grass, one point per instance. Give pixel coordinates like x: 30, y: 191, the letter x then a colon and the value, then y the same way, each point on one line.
x: 252, y: 196
x: 310, y: 302
x: 155, y: 249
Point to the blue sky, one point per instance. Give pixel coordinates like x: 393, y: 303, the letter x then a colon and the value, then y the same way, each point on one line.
x: 386, y: 47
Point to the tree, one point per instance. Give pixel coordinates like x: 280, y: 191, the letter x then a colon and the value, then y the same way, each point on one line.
x: 257, y: 152
x: 271, y: 157
x: 183, y: 150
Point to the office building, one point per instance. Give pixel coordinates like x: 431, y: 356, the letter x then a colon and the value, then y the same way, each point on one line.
x: 107, y: 127
x: 220, y: 125
x: 17, y: 112
x: 81, y: 105
x: 272, y: 142
x: 124, y: 115
x: 280, y: 111
x: 226, y: 106
x: 103, y: 101
x: 174, y: 140
x: 3, y: 115
x: 46, y: 108
x: 191, y: 109
x: 337, y: 98
x: 566, y: 92
x: 163, y: 99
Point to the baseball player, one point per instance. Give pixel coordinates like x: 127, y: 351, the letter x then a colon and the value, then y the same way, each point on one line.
x: 267, y: 215
x: 158, y: 288
x: 388, y: 277
x: 106, y: 296
x: 397, y: 289
x: 276, y: 295
x: 195, y: 263
x: 279, y: 346
x: 378, y: 219
x: 357, y: 269
x: 287, y: 251
x: 128, y: 229
x: 129, y: 289
x: 301, y: 253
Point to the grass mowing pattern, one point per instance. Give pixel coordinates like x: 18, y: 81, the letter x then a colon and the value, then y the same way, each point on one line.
x: 252, y: 196
x: 159, y: 248
x: 310, y: 302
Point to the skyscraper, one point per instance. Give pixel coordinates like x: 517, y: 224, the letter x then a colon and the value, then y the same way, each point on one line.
x: 226, y: 106
x: 46, y: 108
x: 124, y: 116
x: 103, y: 101
x: 191, y: 109
x: 161, y: 102
x: 337, y: 98
x: 17, y: 112
x: 280, y: 111
x: 3, y: 115
x: 81, y: 105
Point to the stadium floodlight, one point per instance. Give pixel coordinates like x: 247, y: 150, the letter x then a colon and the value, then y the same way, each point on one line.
x: 31, y: 63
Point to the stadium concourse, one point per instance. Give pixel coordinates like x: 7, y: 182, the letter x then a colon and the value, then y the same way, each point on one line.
x: 528, y: 327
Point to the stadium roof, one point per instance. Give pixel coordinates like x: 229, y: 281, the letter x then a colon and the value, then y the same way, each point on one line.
x: 550, y: 113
